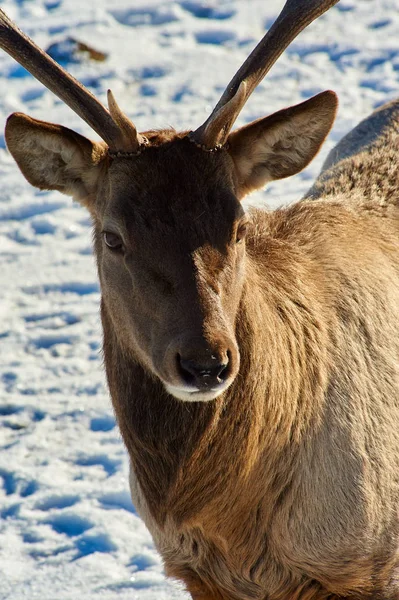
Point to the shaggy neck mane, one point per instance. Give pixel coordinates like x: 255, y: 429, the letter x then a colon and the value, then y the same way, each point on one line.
x: 181, y: 452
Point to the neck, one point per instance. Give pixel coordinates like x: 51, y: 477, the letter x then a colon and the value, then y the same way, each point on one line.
x: 185, y: 454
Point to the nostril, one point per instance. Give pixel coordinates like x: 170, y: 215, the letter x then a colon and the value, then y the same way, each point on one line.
x: 185, y: 370
x: 223, y: 371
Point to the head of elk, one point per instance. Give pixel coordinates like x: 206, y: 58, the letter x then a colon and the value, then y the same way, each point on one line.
x: 169, y: 228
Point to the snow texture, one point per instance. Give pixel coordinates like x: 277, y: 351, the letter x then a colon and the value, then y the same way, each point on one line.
x: 67, y: 525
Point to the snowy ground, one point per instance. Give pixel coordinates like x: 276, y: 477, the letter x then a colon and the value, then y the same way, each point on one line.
x: 68, y: 528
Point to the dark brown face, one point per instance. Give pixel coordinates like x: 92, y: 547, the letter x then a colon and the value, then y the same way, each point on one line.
x: 171, y: 256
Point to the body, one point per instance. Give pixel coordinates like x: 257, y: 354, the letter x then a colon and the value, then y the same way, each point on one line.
x: 306, y: 504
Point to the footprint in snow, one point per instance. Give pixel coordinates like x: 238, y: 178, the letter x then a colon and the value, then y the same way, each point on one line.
x: 50, y: 320
x: 380, y: 24
x: 205, y: 10
x: 14, y: 484
x: 27, y: 211
x: 13, y: 416
x: 68, y: 523
x: 57, y: 502
x: 138, y: 17
x: 94, y: 542
x: 215, y: 36
x: 109, y: 465
x: 72, y: 287
x: 103, y: 423
x: 117, y: 500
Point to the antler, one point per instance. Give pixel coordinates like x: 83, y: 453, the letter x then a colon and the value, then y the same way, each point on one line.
x: 115, y: 129
x: 295, y: 16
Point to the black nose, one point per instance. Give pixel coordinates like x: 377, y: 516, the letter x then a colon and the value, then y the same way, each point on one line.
x: 204, y: 376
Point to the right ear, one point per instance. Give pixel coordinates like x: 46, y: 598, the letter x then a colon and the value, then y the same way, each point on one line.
x: 52, y: 157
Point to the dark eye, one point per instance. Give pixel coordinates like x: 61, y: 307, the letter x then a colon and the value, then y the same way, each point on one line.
x: 241, y: 231
x: 112, y: 240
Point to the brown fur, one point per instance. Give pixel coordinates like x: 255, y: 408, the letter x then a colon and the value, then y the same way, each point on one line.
x: 286, y: 485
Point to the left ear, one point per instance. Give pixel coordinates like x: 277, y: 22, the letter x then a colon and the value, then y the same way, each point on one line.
x: 282, y: 144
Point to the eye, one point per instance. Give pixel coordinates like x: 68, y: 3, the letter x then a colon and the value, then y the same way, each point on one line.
x: 241, y: 231
x: 112, y: 240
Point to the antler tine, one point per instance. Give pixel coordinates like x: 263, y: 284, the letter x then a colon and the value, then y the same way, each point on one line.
x: 66, y: 87
x: 294, y: 17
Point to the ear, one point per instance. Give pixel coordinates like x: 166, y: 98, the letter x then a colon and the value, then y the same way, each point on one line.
x: 52, y: 157
x: 282, y: 144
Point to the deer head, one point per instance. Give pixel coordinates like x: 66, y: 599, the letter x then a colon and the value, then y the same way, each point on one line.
x: 169, y: 228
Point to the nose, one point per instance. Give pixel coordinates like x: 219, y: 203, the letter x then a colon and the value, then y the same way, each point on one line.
x: 205, y: 374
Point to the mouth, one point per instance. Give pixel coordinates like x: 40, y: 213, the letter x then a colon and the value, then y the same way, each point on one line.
x: 192, y: 394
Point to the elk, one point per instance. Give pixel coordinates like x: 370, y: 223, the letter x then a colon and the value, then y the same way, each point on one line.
x: 252, y: 359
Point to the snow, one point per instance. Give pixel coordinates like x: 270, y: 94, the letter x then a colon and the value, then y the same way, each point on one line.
x: 68, y: 527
